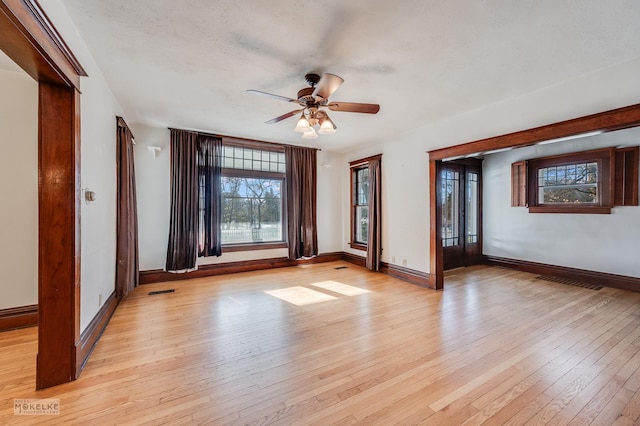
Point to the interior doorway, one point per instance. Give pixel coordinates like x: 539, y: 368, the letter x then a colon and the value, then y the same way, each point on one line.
x: 32, y: 42
x: 460, y: 207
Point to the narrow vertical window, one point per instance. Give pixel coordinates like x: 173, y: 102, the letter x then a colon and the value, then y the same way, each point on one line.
x: 472, y: 208
x: 450, y: 208
x: 362, y: 205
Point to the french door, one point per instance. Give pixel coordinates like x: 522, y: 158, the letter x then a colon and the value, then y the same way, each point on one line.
x: 460, y: 199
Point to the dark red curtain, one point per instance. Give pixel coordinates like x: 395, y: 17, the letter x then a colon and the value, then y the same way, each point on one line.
x: 182, y: 249
x: 127, y: 213
x: 374, y: 247
x: 301, y: 201
x: 210, y: 211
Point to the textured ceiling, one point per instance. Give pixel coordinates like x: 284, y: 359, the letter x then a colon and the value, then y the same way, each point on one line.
x: 187, y: 64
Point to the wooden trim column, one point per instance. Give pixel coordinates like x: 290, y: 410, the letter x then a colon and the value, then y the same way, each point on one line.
x: 436, y: 268
x: 59, y: 236
x: 29, y: 38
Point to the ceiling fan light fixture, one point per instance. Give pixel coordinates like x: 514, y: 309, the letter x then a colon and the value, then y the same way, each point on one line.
x: 314, y: 120
x: 303, y: 125
x: 327, y: 127
x: 311, y: 134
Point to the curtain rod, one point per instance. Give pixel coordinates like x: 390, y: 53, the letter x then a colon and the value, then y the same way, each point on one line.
x: 215, y: 135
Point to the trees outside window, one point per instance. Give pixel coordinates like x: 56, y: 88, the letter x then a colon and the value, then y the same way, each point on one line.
x: 251, y: 210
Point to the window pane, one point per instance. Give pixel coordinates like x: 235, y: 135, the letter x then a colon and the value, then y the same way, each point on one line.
x: 362, y: 223
x: 472, y: 208
x: 362, y: 187
x: 568, y: 184
x: 251, y: 210
x: 450, y: 208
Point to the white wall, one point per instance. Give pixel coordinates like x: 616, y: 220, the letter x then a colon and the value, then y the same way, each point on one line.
x: 18, y: 189
x: 152, y: 192
x: 596, y: 242
x: 152, y: 182
x: 98, y: 171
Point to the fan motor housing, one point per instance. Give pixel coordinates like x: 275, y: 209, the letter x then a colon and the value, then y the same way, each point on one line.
x: 306, y: 95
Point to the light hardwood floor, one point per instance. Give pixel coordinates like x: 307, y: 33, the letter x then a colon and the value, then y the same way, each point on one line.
x: 496, y: 347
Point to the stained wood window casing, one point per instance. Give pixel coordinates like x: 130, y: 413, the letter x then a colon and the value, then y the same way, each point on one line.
x: 616, y: 185
x: 626, y: 177
x: 251, y: 161
x: 359, y: 205
x: 519, y: 184
x: 359, y: 202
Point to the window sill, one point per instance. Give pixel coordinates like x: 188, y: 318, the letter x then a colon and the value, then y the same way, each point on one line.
x: 229, y: 248
x: 570, y: 209
x: 358, y: 246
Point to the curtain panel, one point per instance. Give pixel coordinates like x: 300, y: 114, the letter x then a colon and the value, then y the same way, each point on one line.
x: 374, y: 247
x: 127, y: 266
x: 210, y: 211
x: 301, y: 175
x: 182, y: 248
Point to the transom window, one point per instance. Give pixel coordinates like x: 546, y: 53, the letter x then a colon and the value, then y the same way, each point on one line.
x: 238, y: 157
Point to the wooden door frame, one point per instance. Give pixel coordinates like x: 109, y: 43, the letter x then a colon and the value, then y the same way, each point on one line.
x: 615, y: 119
x: 29, y: 38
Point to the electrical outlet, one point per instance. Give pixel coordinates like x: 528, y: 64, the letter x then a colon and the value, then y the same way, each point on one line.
x: 393, y: 259
x: 404, y: 262
x: 100, y: 300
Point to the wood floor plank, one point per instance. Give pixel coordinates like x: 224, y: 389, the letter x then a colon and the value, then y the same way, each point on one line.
x: 496, y: 347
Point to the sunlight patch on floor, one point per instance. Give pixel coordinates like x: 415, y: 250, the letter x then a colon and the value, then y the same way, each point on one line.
x: 300, y: 296
x: 337, y: 287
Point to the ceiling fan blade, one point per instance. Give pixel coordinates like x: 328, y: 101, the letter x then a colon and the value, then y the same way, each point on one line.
x: 328, y: 84
x: 283, y: 117
x: 354, y: 107
x: 272, y: 96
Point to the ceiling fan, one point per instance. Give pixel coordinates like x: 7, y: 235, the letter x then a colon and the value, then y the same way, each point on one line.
x: 312, y: 100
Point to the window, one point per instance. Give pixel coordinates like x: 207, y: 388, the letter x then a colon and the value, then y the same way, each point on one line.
x: 251, y: 210
x: 450, y: 208
x: 584, y: 182
x: 360, y: 202
x: 251, y: 192
x: 244, y: 158
x: 472, y: 209
x: 360, y: 205
x: 252, y: 201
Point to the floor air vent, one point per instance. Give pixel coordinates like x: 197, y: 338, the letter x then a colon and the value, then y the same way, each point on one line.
x: 151, y: 293
x: 341, y: 267
x: 568, y: 281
